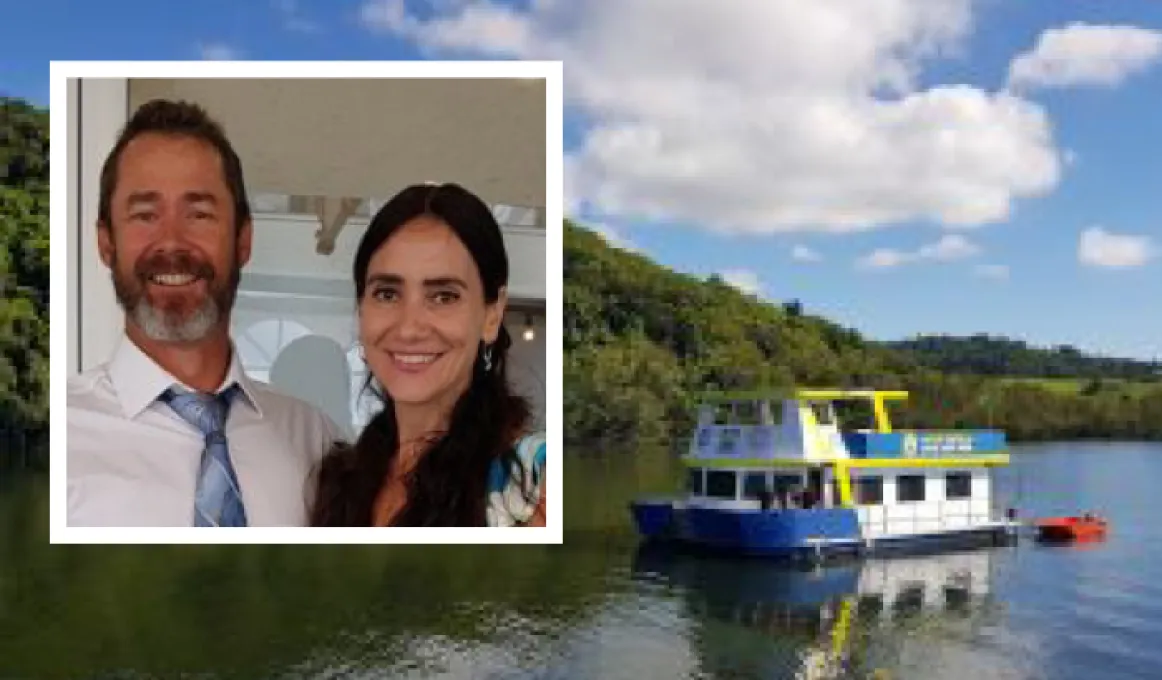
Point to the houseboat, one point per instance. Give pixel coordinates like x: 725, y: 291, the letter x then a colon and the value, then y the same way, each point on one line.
x: 780, y: 475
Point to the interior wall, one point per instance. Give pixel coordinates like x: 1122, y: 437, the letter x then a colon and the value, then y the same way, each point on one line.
x: 286, y: 246
x: 372, y: 137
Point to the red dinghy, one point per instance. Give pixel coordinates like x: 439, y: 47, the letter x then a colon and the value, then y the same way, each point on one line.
x: 1086, y: 527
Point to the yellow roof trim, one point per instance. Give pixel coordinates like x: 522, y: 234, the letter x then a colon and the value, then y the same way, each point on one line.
x: 850, y: 394
x: 983, y: 459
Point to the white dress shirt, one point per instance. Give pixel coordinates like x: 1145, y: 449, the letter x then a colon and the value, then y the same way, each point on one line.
x: 133, y: 461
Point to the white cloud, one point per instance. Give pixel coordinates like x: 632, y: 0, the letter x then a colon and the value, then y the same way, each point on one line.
x: 801, y: 253
x: 767, y: 115
x: 885, y: 258
x: 1100, y: 248
x: 743, y: 279
x: 1085, y: 54
x: 218, y: 52
x: 292, y: 18
x: 473, y: 26
x: 999, y: 272
x: 950, y: 247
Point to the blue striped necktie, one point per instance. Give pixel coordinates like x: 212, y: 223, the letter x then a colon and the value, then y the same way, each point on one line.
x: 218, y: 500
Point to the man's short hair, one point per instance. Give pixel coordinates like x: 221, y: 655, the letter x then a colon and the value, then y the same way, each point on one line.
x: 180, y: 118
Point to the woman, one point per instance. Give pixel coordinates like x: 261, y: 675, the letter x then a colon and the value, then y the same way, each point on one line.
x: 450, y: 446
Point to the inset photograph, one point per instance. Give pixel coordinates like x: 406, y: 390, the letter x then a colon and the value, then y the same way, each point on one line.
x: 297, y: 301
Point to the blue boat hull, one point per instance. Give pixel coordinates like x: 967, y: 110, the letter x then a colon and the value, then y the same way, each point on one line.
x: 654, y: 519
x: 783, y: 533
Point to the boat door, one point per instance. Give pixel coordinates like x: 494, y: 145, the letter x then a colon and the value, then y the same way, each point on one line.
x: 815, y: 486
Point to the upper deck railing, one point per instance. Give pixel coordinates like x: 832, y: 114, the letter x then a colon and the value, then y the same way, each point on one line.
x: 764, y: 435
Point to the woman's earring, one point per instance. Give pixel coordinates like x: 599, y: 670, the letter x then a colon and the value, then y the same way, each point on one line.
x: 487, y: 358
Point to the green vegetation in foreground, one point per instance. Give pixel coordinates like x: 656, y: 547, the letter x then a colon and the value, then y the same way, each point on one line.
x: 24, y: 278
x: 641, y: 342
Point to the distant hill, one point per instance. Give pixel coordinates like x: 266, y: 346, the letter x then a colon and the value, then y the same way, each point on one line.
x: 988, y: 355
x: 642, y: 341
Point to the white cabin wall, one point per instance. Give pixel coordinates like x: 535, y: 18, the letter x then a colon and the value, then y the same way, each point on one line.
x: 874, y: 517
x: 982, y: 500
x: 935, y: 512
x: 899, y: 516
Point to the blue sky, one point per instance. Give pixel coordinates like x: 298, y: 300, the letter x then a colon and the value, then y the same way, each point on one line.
x: 899, y: 166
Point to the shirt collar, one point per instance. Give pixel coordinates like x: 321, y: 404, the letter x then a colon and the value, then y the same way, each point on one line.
x: 138, y: 381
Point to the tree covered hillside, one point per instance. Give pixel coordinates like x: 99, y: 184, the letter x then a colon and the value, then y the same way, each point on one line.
x: 988, y: 355
x: 642, y: 341
x: 23, y: 275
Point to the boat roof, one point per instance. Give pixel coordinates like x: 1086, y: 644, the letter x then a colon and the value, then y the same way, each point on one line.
x: 804, y: 394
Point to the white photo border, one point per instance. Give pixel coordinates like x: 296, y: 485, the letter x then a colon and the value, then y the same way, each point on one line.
x: 65, y: 182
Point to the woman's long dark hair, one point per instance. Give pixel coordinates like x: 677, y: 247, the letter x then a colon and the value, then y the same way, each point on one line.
x: 448, y: 486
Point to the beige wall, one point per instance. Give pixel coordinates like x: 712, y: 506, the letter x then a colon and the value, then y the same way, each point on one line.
x: 370, y: 138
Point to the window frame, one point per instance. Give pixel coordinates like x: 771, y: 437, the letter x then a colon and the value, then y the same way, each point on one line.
x: 901, y: 487
x: 859, y: 484
x: 711, y: 491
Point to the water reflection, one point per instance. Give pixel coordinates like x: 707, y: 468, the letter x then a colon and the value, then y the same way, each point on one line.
x: 845, y: 618
x: 593, y: 608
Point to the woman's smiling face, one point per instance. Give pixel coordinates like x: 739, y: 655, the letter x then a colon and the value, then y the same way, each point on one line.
x: 423, y: 314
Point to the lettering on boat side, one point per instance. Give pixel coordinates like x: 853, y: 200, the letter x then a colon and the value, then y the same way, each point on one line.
x: 946, y: 443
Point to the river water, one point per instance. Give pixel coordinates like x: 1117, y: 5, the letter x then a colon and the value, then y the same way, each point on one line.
x: 599, y: 606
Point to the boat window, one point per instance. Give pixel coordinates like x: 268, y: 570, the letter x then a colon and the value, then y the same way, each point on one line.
x: 746, y: 413
x: 958, y: 485
x: 869, y: 490
x: 910, y: 488
x: 720, y: 484
x: 694, y: 481
x: 822, y: 411
x: 785, y: 482
x: 753, y: 484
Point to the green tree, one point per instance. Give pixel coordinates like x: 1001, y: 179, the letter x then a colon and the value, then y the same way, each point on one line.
x: 23, y: 275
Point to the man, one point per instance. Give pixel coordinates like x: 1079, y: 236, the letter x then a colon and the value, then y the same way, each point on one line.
x: 170, y: 431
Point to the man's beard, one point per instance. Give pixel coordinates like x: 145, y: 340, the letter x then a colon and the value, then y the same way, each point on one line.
x: 169, y: 325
